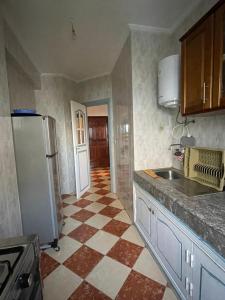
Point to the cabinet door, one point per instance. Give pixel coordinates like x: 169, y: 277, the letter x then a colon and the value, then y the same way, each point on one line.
x: 146, y: 216
x: 143, y: 216
x: 219, y: 59
x: 172, y: 247
x: 197, y: 60
x: 208, y: 278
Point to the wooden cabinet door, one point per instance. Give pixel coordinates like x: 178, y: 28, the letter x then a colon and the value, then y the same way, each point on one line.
x: 197, y: 65
x: 219, y: 59
x: 172, y: 246
x: 208, y: 277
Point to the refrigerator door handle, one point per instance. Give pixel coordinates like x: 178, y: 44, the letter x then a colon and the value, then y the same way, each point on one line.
x: 51, y: 155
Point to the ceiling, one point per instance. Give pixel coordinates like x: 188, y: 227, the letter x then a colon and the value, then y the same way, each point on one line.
x: 44, y: 29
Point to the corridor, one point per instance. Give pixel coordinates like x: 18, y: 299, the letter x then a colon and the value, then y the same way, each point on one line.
x: 102, y: 256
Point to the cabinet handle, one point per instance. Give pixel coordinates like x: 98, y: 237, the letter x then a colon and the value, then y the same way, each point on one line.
x: 191, y: 287
x: 192, y: 258
x: 150, y: 209
x: 153, y: 212
x: 204, y: 92
x: 187, y: 256
x: 187, y: 284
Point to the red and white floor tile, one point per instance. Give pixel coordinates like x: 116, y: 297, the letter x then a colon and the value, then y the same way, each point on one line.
x: 102, y: 255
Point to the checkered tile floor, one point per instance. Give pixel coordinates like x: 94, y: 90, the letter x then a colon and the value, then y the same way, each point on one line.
x: 102, y: 255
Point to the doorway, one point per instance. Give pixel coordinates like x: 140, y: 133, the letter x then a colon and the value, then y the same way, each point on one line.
x: 109, y: 104
x: 98, y: 136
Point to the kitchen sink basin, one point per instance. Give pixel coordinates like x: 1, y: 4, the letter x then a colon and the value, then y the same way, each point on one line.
x: 168, y: 174
x: 182, y: 184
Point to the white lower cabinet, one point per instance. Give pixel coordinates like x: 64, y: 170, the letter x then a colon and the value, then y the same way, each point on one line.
x: 195, y: 270
x: 145, y: 218
x: 173, y: 249
x: 208, y: 277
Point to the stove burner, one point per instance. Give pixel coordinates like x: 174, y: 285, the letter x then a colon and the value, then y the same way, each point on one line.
x: 8, y: 260
x: 8, y: 264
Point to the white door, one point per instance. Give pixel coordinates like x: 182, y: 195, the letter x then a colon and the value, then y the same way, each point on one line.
x: 81, y: 147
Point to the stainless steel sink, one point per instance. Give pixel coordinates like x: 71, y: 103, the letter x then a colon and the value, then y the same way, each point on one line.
x: 168, y: 174
x: 182, y: 184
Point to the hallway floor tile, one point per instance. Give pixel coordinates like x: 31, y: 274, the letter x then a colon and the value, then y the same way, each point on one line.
x: 102, y: 255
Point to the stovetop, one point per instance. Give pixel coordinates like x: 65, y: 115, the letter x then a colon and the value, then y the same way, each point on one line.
x: 19, y: 264
x: 9, y: 258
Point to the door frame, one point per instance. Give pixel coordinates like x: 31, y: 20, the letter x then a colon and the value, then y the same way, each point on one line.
x: 108, y: 102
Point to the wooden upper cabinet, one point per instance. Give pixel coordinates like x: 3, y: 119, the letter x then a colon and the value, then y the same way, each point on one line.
x: 219, y: 59
x: 203, y: 63
x: 197, y: 68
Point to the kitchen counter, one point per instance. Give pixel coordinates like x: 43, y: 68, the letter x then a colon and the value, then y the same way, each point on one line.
x: 204, y: 214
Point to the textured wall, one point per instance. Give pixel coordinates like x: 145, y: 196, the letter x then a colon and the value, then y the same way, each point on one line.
x: 123, y: 126
x: 152, y: 125
x: 4, y: 92
x: 21, y: 88
x: 54, y: 99
x: 94, y: 89
x: 23, y: 77
x: 10, y: 219
x: 69, y: 92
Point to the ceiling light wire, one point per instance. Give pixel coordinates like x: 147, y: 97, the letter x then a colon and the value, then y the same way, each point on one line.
x: 73, y: 31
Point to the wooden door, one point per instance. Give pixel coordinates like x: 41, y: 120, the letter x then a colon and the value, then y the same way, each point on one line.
x: 219, y: 59
x: 197, y: 66
x: 99, y: 142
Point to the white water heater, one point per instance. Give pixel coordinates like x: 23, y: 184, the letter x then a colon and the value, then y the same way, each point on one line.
x: 169, y: 81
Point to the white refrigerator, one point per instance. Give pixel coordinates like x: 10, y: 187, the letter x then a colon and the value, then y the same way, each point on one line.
x: 38, y: 177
